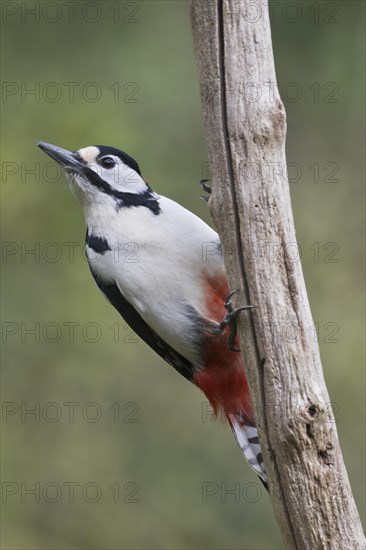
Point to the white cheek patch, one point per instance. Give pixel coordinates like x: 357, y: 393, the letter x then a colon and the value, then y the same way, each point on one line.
x: 123, y: 178
x: 89, y: 154
x: 120, y: 178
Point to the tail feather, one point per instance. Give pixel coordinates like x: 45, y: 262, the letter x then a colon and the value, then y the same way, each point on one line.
x: 246, y: 435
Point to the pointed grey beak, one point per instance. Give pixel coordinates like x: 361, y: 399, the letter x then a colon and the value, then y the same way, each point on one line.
x: 67, y: 159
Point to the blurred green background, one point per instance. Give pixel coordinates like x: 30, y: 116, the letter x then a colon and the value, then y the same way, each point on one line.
x: 140, y: 449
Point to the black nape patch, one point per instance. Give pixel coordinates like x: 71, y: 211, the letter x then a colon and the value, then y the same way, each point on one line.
x: 146, y: 199
x: 96, y: 243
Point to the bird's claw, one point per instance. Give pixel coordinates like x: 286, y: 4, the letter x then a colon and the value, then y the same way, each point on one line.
x: 227, y: 303
x: 230, y: 317
x: 230, y: 320
x: 205, y: 187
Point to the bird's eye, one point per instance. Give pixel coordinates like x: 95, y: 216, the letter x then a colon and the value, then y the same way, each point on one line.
x: 107, y: 162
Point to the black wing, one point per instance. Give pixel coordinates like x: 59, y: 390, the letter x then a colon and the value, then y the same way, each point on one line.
x: 142, y: 329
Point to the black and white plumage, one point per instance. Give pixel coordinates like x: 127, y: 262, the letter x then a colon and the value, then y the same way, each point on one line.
x: 148, y: 255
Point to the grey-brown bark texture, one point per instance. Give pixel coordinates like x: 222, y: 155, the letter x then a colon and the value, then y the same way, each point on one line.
x: 245, y: 126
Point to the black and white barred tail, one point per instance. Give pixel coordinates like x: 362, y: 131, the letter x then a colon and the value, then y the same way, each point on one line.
x: 246, y: 435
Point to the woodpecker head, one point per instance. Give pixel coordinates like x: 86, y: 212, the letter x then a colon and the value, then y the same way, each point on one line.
x: 101, y: 175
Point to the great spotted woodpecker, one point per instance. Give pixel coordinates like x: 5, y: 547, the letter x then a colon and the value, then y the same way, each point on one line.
x: 175, y: 297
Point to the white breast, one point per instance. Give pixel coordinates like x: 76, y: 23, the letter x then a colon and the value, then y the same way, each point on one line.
x: 159, y: 263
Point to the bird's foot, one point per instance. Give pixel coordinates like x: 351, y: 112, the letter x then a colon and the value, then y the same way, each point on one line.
x: 230, y: 320
x: 205, y: 187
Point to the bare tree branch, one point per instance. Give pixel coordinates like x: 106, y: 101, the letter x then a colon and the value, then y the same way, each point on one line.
x: 251, y: 207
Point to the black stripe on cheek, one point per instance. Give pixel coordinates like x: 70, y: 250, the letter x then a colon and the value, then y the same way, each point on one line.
x: 98, y: 244
x: 122, y: 198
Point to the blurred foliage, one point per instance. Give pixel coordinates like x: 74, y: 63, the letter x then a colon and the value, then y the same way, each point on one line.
x: 171, y: 451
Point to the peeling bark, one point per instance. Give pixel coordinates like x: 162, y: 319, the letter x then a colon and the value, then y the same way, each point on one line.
x: 251, y: 208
